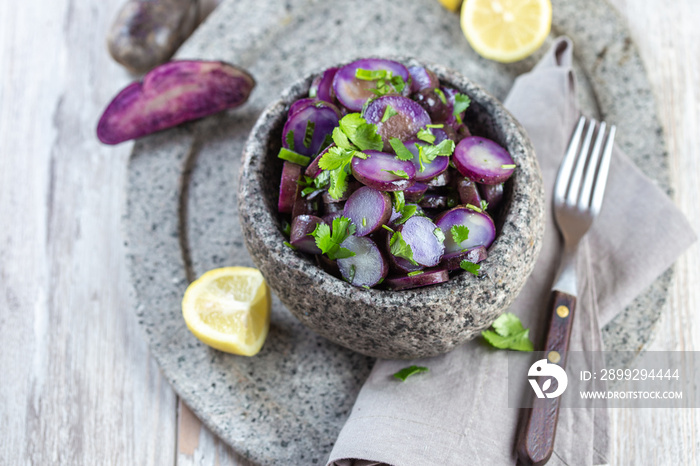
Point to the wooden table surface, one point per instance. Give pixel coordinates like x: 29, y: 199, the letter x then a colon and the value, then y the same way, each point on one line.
x: 78, y: 384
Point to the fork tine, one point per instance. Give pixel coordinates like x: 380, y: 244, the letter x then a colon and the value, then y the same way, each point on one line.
x: 576, y: 178
x: 602, y: 178
x: 591, y: 168
x: 568, y: 163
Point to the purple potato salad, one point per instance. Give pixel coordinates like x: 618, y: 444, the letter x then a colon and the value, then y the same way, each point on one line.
x: 383, y: 180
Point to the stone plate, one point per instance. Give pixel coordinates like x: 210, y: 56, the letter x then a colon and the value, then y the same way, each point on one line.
x: 287, y: 404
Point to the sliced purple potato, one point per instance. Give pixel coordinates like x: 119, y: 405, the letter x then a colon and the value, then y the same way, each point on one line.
x: 482, y: 160
x: 300, y: 236
x: 399, y: 264
x: 468, y: 192
x: 433, y: 201
x: 368, y: 209
x: 451, y: 119
x: 305, y: 205
x: 329, y: 265
x: 431, y: 101
x: 419, y: 233
x: 332, y: 207
x: 482, y: 231
x: 352, y: 92
x: 442, y: 134
x: 408, y: 119
x: 430, y: 169
x: 415, y: 193
x: 299, y: 105
x: 429, y: 277
x: 452, y: 261
x: 443, y: 179
x: 492, y: 194
x: 313, y: 170
x: 367, y: 267
x: 383, y: 171
x: 171, y: 94
x: 310, y: 127
x: 329, y: 216
x: 422, y: 78
x: 322, y: 86
x: 288, y: 187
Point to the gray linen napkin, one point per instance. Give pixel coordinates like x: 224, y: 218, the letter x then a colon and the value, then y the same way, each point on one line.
x: 458, y: 412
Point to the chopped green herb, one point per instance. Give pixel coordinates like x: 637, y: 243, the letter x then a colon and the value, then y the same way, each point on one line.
x: 362, y: 134
x: 370, y: 75
x: 290, y: 246
x: 509, y: 334
x: 484, y: 205
x: 327, y: 141
x: 428, y: 153
x: 462, y: 102
x: 400, y: 248
x: 351, y: 275
x: 406, y: 372
x: 386, y: 227
x: 309, y: 133
x: 470, y: 267
x: 366, y: 287
x: 328, y: 240
x: 364, y: 222
x: 441, y: 95
x: 286, y: 228
x: 473, y: 207
x: 506, y: 167
x: 439, y: 235
x: 399, y: 173
x: 388, y: 113
x: 440, y: 125
x: 426, y: 135
x: 402, y: 153
x: 417, y: 272
x: 459, y: 233
x: 290, y: 140
x: 406, y: 211
x: 291, y: 156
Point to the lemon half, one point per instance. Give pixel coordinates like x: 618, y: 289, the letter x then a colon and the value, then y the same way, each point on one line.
x: 229, y: 309
x: 506, y: 30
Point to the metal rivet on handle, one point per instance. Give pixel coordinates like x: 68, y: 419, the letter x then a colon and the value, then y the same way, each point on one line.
x: 563, y: 311
x: 554, y: 357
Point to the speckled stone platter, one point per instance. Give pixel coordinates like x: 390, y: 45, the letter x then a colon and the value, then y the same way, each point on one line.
x: 287, y: 404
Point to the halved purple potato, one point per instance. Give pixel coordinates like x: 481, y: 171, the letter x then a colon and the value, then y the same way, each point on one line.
x: 367, y: 267
x: 352, y: 92
x: 415, y: 193
x: 433, y: 201
x: 379, y: 170
x: 300, y: 236
x: 482, y: 231
x: 468, y: 192
x: 288, y: 187
x: 404, y: 124
x: 322, y: 86
x: 429, y: 277
x: 492, y: 194
x: 419, y: 233
x: 451, y: 261
x: 368, y: 209
x: 431, y: 102
x: 482, y: 160
x: 311, y: 126
x: 430, y: 169
x: 422, y: 78
x: 171, y: 94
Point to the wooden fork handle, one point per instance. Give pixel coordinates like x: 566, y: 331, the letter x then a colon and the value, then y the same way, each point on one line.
x: 536, y: 441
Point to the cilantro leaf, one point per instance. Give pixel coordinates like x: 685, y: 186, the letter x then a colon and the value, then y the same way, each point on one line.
x: 407, y: 212
x: 470, y: 267
x: 399, y: 201
x: 290, y: 139
x: 341, y: 140
x: 459, y: 233
x: 428, y: 153
x: 399, y: 173
x: 328, y: 240
x: 441, y: 95
x: 484, y: 205
x: 462, y: 102
x: 426, y: 135
x: 437, y: 232
x: 350, y: 122
x: 388, y: 113
x: 400, y: 248
x: 402, y: 153
x: 338, y: 183
x: 335, y: 158
x: 309, y: 133
x: 367, y: 138
x: 406, y: 372
x: 509, y: 334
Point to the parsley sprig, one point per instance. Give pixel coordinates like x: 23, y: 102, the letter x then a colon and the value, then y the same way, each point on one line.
x: 470, y: 267
x: 459, y: 233
x: 509, y: 333
x: 329, y: 239
x: 406, y: 372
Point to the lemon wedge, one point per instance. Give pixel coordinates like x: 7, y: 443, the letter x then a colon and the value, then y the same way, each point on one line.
x: 506, y: 30
x: 229, y: 309
x: 452, y: 5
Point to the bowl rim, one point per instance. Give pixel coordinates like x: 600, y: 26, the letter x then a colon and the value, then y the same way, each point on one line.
x: 515, y: 141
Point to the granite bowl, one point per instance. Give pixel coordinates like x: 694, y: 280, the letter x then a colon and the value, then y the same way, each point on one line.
x: 395, y: 324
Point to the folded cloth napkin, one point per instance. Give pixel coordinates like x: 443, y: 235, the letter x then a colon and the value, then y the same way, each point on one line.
x: 458, y: 413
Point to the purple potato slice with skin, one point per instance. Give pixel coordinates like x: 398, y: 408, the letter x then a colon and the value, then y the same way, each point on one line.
x: 468, y: 192
x: 429, y: 277
x: 430, y: 169
x: 422, y: 78
x: 299, y: 104
x: 492, y: 194
x: 399, y: 264
x: 451, y: 119
x: 300, y: 235
x: 415, y: 193
x: 172, y: 94
x: 367, y: 267
x: 368, y: 209
x: 352, y: 92
x: 323, y: 118
x: 288, y: 187
x: 322, y: 86
x: 405, y: 124
x: 475, y: 255
x: 433, y: 201
x: 305, y: 205
x: 375, y: 171
x: 482, y: 230
x: 329, y: 265
x: 431, y: 102
x: 443, y: 179
x: 482, y: 160
x: 353, y: 185
x: 419, y: 233
x: 328, y: 217
x: 313, y: 170
x: 440, y: 134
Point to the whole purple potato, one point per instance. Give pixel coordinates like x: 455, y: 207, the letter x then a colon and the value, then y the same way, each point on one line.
x: 146, y: 33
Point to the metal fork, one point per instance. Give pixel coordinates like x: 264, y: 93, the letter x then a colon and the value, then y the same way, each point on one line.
x: 578, y: 197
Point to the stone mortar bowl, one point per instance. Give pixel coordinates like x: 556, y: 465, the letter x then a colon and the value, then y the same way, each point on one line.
x: 415, y: 323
